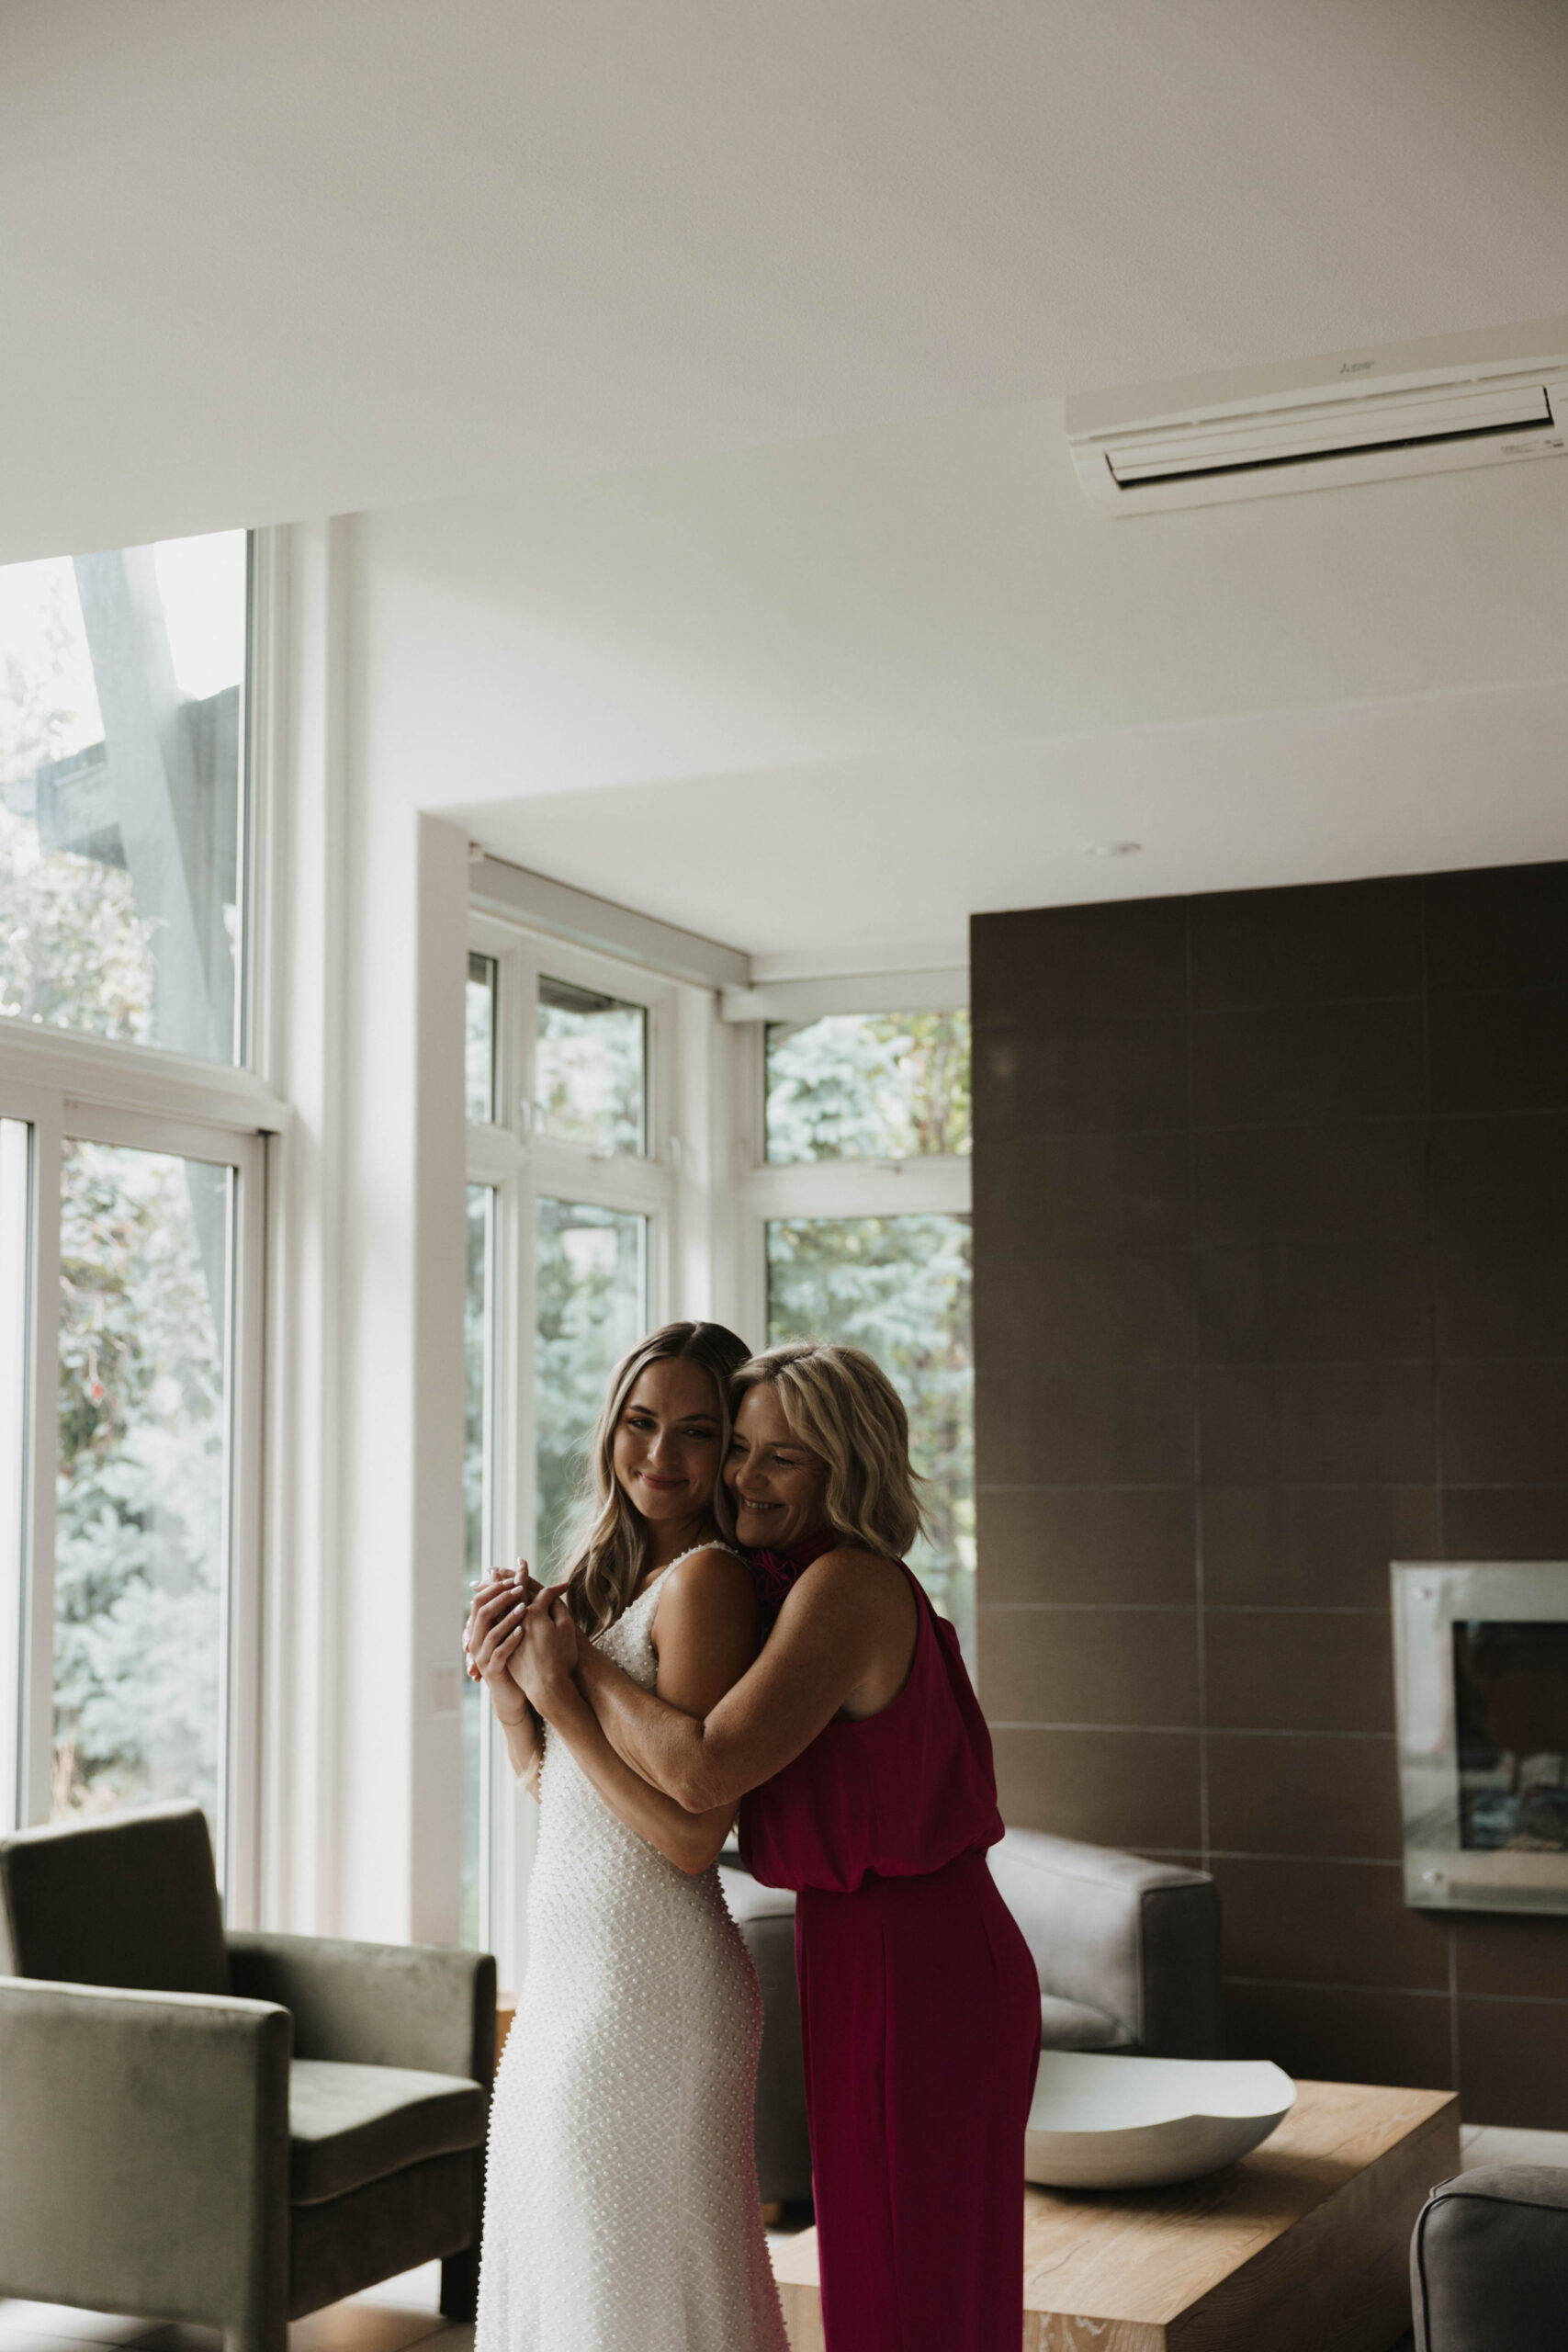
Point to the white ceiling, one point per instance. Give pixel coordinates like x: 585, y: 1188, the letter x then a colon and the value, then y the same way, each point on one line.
x: 808, y: 870
x: 698, y: 366
x: 812, y: 698
x: 315, y: 255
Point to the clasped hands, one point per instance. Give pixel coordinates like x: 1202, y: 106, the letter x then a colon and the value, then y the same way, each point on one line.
x: 520, y: 1638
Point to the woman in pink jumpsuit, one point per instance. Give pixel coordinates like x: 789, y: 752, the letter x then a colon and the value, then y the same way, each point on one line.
x: 919, y: 2004
x: 864, y: 1766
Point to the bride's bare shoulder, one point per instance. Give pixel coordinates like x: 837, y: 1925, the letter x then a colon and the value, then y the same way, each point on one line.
x: 711, y: 1569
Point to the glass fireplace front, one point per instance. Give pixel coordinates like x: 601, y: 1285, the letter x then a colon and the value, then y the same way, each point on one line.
x: 1481, y: 1656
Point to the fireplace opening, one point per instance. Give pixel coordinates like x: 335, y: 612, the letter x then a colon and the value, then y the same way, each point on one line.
x: 1481, y: 1685
x: 1511, y: 1728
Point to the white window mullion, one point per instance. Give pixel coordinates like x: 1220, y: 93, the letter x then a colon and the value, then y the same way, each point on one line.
x: 570, y: 1174
x: 861, y: 1188
x: 16, y: 1147
x: 737, y: 1148
x: 510, y: 1826
x: 35, y: 1740
x: 245, y: 1486
x: 136, y: 1077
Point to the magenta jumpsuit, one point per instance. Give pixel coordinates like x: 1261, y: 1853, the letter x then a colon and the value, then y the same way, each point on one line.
x: 920, y: 2006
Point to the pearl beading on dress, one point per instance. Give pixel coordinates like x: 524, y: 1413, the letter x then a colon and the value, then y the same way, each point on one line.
x: 622, y: 2211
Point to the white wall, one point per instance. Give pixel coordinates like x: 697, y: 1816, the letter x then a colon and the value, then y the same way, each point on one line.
x: 362, y: 1762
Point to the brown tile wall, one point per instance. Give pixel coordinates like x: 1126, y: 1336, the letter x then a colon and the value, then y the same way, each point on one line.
x: 1272, y: 1288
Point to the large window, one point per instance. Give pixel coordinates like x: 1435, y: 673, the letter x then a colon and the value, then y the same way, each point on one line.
x: 145, y: 1247
x: 590, y: 1307
x: 867, y: 1236
x: 574, y: 1201
x: 590, y: 1069
x: 632, y: 1157
x: 130, y: 1259
x: 131, y: 1192
x: 479, y: 1044
x: 868, y: 1086
x: 122, y: 792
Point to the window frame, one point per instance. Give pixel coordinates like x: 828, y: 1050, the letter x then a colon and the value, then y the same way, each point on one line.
x: 510, y: 1155
x: 704, y: 1184
x: 55, y: 1117
x: 938, y: 1183
x: 931, y: 1183
x: 68, y: 1084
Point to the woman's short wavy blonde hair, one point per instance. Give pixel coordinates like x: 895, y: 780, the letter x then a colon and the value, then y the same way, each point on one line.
x: 842, y: 1407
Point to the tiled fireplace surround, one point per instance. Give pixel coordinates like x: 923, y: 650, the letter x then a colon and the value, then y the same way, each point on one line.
x: 1271, y: 1286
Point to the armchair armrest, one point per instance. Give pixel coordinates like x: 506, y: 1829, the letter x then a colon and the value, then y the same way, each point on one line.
x: 377, y: 2005
x: 144, y: 2152
x: 1137, y: 1940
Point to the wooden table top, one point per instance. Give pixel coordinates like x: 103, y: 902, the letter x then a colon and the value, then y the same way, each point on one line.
x: 1149, y: 2254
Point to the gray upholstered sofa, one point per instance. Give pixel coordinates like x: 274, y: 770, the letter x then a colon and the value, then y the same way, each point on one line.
x: 1489, y: 2262
x: 234, y: 2130
x: 1127, y: 1951
x: 766, y: 1919
x: 1127, y: 1954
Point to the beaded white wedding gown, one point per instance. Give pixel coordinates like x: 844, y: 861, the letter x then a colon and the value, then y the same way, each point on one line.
x: 621, y: 2206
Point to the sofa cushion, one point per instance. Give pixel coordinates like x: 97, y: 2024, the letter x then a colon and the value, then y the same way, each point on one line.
x: 1073, y: 2025
x: 749, y: 1899
x: 351, y: 2124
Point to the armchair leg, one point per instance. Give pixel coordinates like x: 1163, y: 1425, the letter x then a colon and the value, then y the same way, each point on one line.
x: 460, y: 2284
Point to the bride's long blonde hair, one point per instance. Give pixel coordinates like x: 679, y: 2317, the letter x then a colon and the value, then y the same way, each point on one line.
x: 609, y: 1550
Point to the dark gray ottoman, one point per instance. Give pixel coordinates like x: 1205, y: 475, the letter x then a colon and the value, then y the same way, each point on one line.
x: 1489, y: 2262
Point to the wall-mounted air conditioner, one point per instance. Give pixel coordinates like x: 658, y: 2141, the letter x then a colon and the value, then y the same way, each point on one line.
x: 1413, y: 408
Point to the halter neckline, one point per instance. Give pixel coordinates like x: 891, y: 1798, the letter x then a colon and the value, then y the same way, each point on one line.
x: 777, y: 1573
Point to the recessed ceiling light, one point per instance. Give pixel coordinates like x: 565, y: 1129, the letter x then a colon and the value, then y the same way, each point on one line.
x: 1114, y: 849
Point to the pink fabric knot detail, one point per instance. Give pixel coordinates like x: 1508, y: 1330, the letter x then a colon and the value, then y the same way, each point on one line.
x: 778, y: 1572
x: 775, y: 1574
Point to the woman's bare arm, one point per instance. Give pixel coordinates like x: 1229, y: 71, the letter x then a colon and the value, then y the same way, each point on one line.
x: 849, y: 1611
x: 706, y: 1634
x: 491, y: 1642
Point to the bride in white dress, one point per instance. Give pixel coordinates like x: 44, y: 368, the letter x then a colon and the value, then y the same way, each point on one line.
x: 621, y: 2207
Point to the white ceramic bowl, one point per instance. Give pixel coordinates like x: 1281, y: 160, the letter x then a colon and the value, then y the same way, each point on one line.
x: 1106, y: 2122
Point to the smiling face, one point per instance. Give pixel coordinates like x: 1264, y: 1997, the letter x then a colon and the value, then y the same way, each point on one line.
x: 778, y: 1486
x: 666, y: 1450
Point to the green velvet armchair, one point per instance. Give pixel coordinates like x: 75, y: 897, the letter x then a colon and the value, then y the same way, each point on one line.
x: 228, y: 2129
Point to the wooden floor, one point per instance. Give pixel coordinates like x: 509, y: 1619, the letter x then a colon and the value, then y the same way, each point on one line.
x: 385, y: 2319
x: 402, y: 2312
